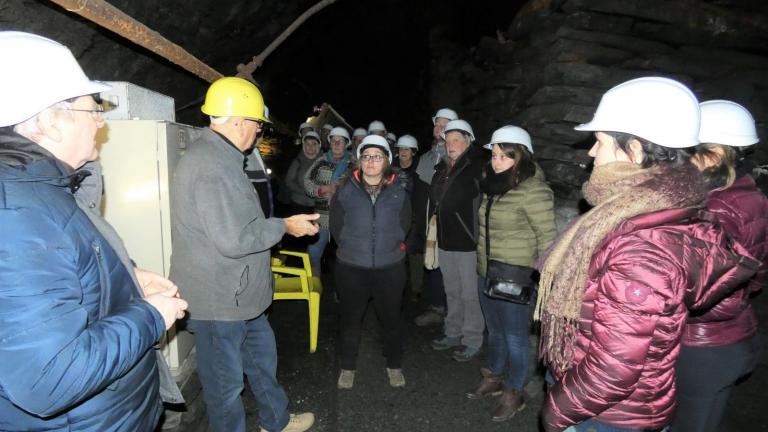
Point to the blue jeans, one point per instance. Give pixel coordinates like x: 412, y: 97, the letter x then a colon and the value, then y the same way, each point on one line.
x: 226, y: 350
x: 593, y: 425
x: 508, y: 325
x: 316, y: 249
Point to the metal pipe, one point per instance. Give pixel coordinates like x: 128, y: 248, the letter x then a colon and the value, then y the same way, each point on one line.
x: 113, y: 19
x: 246, y: 70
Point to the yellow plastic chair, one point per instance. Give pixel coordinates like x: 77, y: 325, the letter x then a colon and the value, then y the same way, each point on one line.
x: 297, y: 283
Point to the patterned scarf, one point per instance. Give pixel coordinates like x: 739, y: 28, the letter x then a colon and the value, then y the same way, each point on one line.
x: 619, y: 191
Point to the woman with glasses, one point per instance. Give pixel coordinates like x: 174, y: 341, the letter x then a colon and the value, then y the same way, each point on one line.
x: 369, y: 217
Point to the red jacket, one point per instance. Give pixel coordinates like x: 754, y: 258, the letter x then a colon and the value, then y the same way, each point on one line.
x: 742, y: 210
x: 642, y: 280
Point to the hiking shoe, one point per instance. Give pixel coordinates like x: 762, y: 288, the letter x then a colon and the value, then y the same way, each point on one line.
x: 346, y: 379
x: 490, y: 385
x: 298, y: 422
x: 510, y: 403
x: 433, y: 316
x: 446, y: 342
x: 465, y: 354
x: 396, y: 378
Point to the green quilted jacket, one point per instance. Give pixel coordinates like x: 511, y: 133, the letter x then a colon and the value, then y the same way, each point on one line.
x: 522, y: 224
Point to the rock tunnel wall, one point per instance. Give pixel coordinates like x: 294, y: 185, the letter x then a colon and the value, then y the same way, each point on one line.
x: 549, y: 69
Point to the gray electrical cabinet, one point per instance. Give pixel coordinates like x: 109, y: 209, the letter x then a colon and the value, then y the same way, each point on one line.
x: 138, y: 159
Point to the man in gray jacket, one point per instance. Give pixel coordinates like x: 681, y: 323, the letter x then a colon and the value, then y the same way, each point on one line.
x: 221, y: 261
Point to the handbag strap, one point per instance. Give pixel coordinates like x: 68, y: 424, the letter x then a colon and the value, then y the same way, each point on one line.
x: 489, y: 199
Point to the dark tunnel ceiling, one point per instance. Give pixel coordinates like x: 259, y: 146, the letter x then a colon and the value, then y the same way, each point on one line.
x: 369, y: 58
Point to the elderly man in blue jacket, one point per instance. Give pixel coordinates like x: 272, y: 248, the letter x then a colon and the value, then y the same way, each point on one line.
x: 76, y: 331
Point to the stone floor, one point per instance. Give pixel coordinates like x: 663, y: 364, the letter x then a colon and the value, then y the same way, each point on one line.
x: 433, y: 399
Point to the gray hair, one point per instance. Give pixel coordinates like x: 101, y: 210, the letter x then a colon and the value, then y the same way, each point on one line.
x: 219, y: 120
x: 30, y: 128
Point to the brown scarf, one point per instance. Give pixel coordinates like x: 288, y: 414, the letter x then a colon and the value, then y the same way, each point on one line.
x: 619, y: 191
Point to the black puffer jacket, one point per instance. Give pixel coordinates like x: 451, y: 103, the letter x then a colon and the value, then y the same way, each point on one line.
x: 455, y: 196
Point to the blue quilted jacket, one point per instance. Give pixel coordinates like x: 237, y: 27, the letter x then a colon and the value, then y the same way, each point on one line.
x: 75, y: 337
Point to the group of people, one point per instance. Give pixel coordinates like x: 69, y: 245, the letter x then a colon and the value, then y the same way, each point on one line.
x: 644, y: 301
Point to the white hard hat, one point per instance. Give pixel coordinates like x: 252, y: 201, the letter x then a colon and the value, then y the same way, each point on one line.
x: 359, y: 132
x: 657, y: 109
x: 445, y: 113
x: 376, y: 126
x: 328, y: 126
x: 458, y: 125
x: 311, y: 134
x: 407, y: 141
x: 374, y: 141
x: 338, y: 131
x: 510, y: 135
x: 37, y: 73
x: 304, y: 126
x: 391, y: 137
x: 728, y: 123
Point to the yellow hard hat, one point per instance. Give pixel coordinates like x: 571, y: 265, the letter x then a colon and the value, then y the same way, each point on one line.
x: 234, y: 97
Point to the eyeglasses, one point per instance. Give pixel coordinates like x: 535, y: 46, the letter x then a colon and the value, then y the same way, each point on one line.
x: 372, y: 158
x: 96, y: 113
x: 262, y: 124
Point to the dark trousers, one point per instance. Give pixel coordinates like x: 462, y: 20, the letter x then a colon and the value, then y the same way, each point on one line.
x: 385, y: 287
x: 705, y: 377
x: 434, y: 293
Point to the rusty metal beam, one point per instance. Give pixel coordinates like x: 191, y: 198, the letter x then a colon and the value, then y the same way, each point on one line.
x: 113, y: 19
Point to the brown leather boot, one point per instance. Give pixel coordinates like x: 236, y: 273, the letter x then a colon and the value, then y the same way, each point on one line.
x: 490, y: 385
x: 510, y: 403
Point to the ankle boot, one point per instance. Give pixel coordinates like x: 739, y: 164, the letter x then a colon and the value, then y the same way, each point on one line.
x: 510, y: 403
x: 490, y: 385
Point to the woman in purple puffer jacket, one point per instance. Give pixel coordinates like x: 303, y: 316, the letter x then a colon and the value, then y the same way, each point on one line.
x: 720, y: 344
x: 617, y: 285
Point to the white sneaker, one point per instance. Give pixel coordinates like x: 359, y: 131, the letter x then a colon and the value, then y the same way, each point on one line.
x: 396, y: 377
x: 298, y: 422
x: 346, y: 379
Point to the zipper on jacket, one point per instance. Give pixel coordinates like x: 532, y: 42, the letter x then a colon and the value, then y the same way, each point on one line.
x: 373, y: 236
x: 100, y: 266
x: 103, y: 292
x: 463, y: 225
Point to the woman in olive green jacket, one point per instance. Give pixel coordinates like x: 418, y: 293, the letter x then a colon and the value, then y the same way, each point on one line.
x: 521, y: 227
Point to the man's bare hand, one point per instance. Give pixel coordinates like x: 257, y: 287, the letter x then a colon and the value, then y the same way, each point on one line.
x: 301, y: 224
x: 151, y: 282
x: 170, y: 306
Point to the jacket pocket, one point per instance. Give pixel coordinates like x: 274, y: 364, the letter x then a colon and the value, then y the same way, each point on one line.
x: 243, y: 283
x: 104, y: 292
x: 463, y: 225
x: 101, y: 267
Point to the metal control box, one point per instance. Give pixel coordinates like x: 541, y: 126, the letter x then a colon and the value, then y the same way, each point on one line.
x: 138, y: 159
x: 131, y: 102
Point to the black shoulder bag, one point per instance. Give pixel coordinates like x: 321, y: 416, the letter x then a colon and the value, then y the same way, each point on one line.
x: 504, y: 281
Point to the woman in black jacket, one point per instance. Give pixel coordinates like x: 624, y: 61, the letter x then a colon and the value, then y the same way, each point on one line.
x: 369, y: 218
